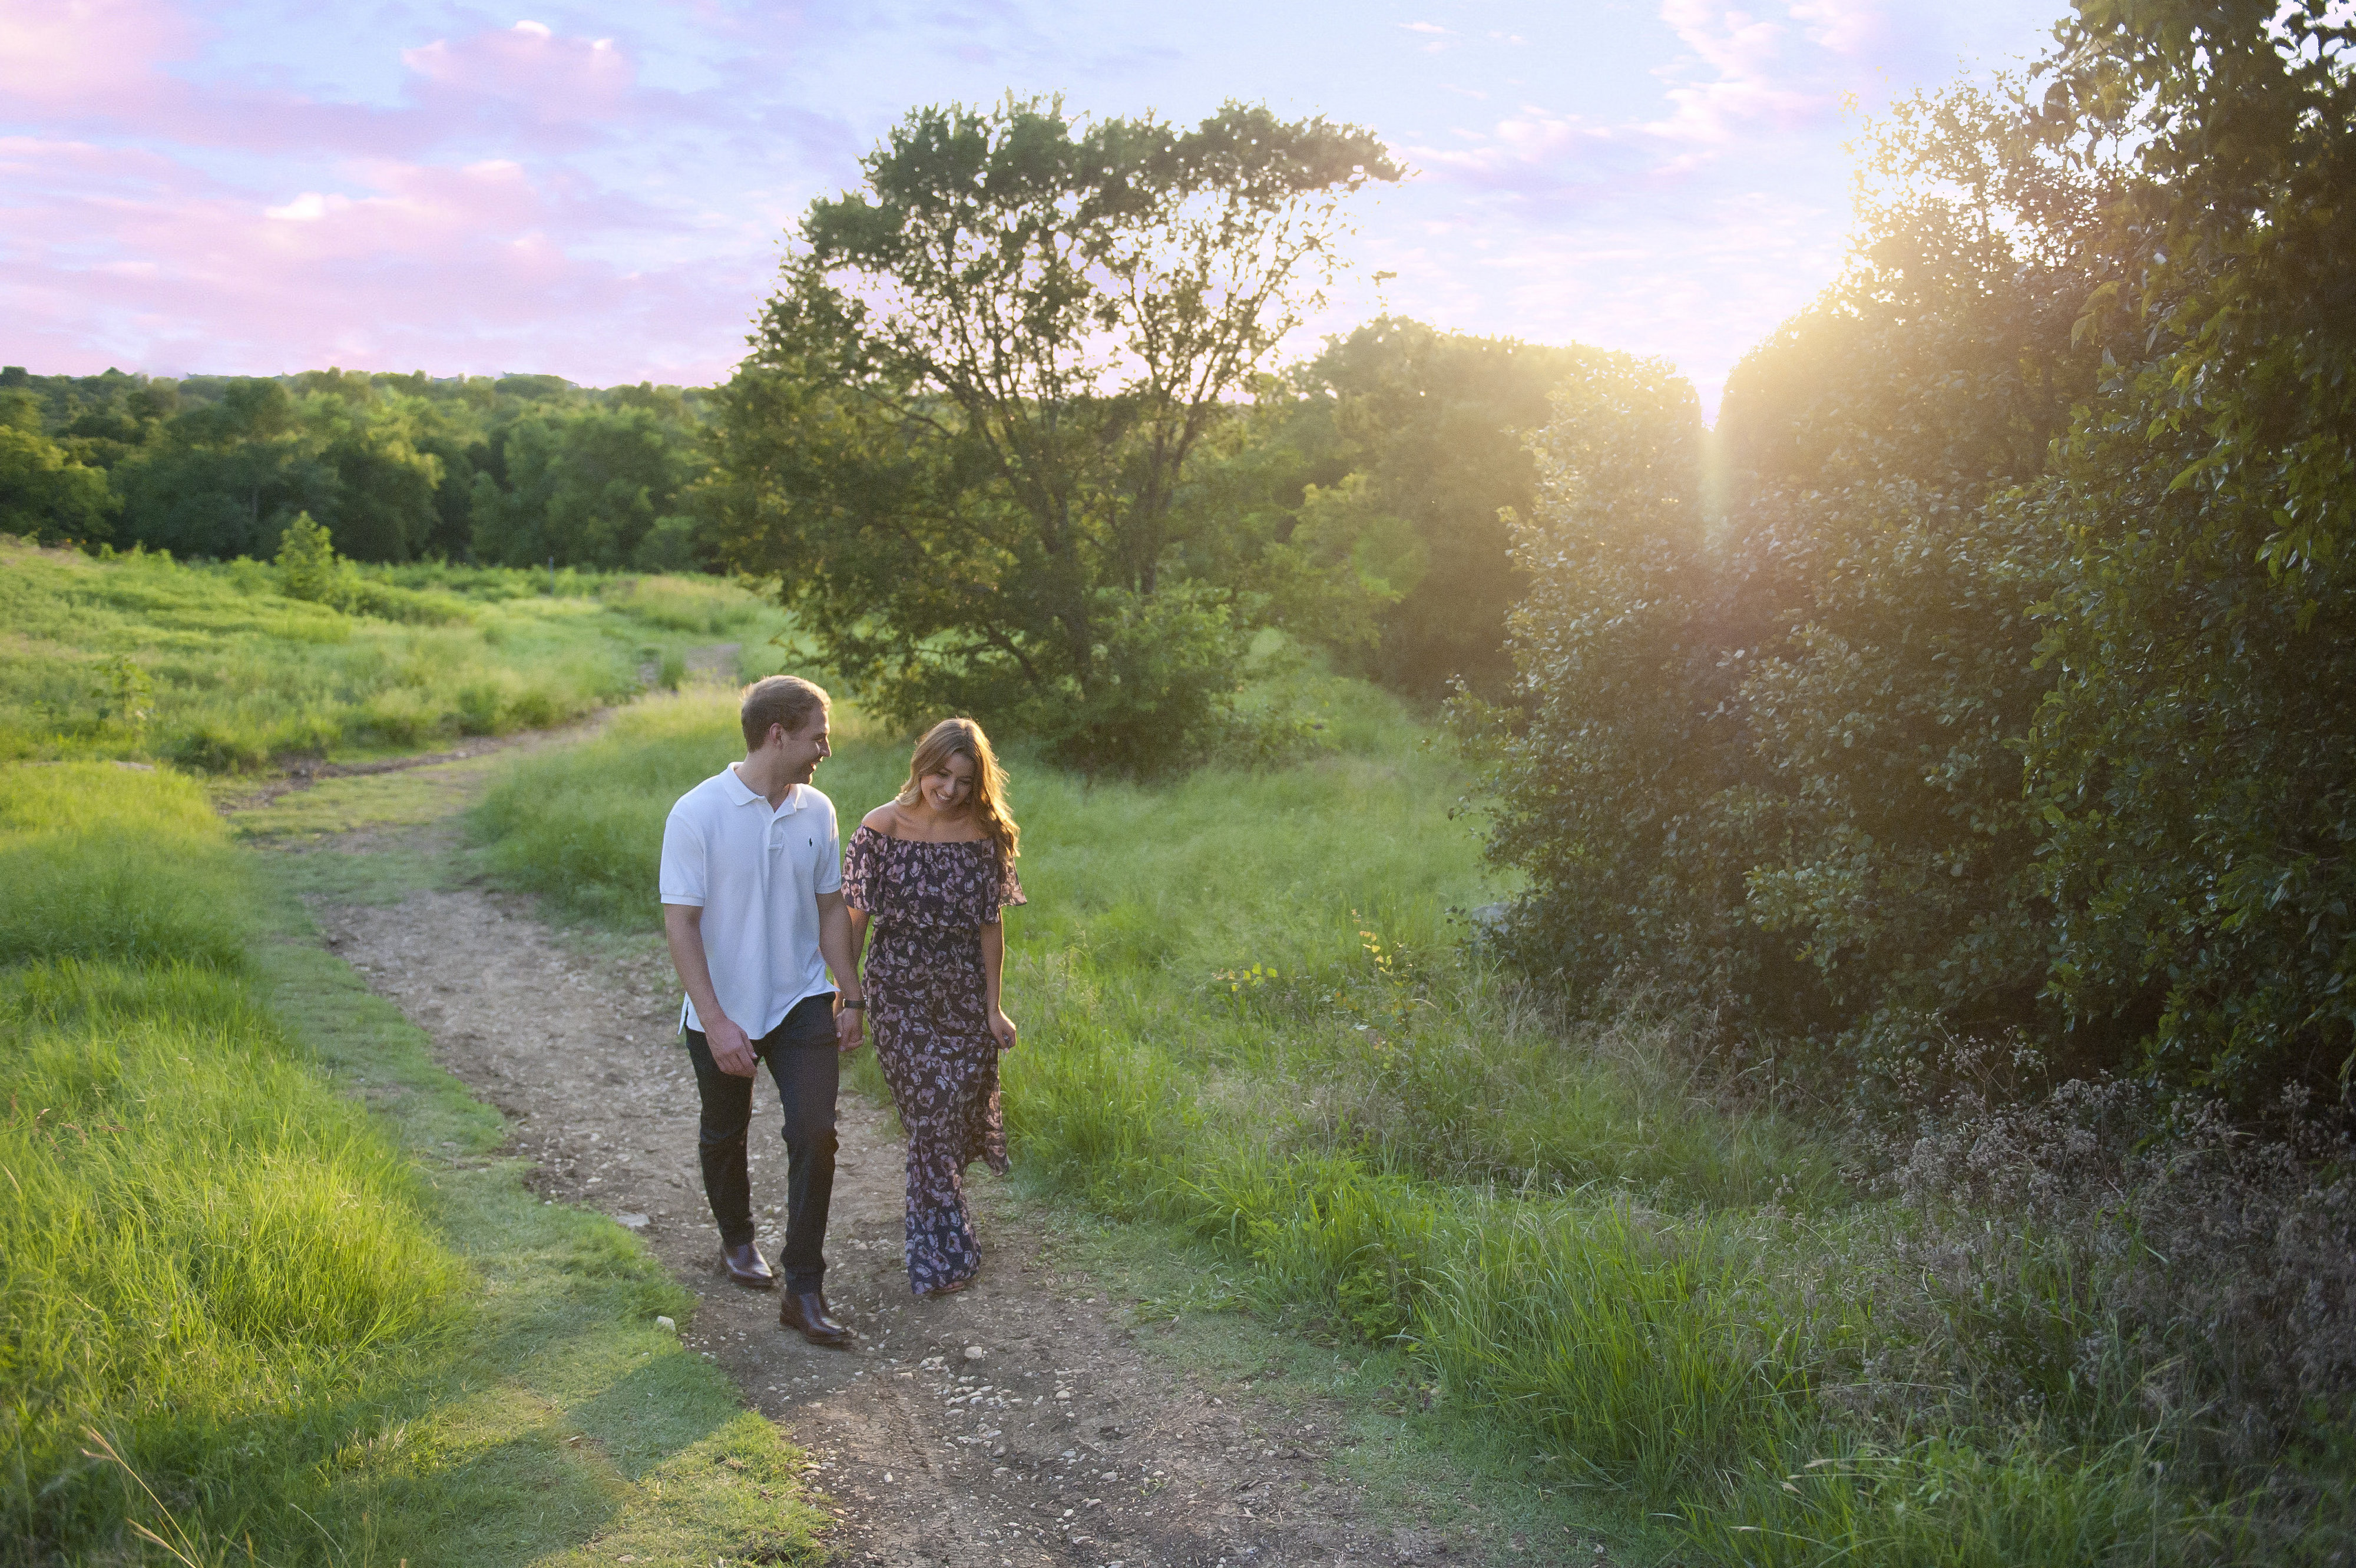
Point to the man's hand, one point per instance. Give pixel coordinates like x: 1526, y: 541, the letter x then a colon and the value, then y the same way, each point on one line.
x: 732, y: 1049
x: 849, y: 1028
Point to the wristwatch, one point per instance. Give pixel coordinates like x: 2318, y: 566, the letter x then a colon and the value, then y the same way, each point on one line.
x: 859, y: 1006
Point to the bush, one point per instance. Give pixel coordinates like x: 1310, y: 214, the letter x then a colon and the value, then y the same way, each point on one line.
x: 308, y: 567
x: 1160, y: 695
x: 219, y: 747
x: 2193, y: 763
x: 2146, y: 1255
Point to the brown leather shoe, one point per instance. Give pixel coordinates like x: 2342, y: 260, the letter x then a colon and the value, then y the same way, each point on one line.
x: 805, y: 1311
x: 748, y: 1267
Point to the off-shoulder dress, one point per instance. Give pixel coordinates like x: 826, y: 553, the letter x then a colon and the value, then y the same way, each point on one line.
x: 929, y: 1007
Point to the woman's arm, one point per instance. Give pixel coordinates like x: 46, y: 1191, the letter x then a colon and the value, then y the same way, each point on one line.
x: 834, y: 940
x: 993, y: 966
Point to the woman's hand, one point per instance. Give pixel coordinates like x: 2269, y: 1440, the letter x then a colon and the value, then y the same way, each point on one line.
x: 1002, y: 1029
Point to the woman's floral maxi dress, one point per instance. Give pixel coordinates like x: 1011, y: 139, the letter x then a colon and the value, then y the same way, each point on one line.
x: 930, y: 1008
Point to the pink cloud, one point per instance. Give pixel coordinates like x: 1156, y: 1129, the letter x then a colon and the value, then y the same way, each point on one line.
x: 1753, y: 81
x: 1744, y: 77
x: 529, y: 66
x: 420, y: 210
x: 65, y: 54
x: 102, y: 66
x: 1535, y: 154
x: 1857, y: 29
x: 129, y: 257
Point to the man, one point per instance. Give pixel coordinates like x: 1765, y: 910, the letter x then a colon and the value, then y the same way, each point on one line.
x: 751, y: 897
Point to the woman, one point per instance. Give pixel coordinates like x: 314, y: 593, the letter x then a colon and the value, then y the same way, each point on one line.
x: 931, y: 869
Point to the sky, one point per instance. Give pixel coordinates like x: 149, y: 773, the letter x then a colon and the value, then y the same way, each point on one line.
x: 601, y: 190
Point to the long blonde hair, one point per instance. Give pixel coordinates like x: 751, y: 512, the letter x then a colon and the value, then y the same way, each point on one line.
x: 963, y: 737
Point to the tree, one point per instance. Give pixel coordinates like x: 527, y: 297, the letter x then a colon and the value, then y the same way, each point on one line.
x: 1598, y: 766
x: 222, y: 478
x: 971, y: 403
x: 385, y: 479
x: 308, y: 567
x: 587, y: 487
x: 1437, y: 423
x: 1778, y: 763
x: 1876, y: 587
x: 44, y: 493
x: 2196, y: 761
x: 2015, y: 684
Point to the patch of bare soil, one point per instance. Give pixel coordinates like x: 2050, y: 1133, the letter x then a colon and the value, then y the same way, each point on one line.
x: 1018, y: 1423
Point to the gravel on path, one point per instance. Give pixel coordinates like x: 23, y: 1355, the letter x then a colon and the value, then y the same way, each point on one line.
x: 1017, y: 1422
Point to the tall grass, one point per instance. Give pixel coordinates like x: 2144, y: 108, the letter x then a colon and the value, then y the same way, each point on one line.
x: 204, y: 1251
x: 211, y: 667
x: 1249, y: 1012
x: 102, y: 863
x: 207, y: 1252
x: 235, y: 1312
x: 587, y: 853
x: 707, y: 606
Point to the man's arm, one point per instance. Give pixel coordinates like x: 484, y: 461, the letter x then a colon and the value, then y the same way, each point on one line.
x: 683, y: 929
x: 843, y: 956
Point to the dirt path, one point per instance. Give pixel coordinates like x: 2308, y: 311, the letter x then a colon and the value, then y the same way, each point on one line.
x: 1017, y: 1422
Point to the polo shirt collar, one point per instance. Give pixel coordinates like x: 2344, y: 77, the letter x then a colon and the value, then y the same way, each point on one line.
x: 742, y: 794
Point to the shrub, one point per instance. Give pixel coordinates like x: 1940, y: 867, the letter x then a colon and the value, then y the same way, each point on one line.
x: 2155, y: 1259
x: 308, y: 567
x: 1163, y: 693
x: 219, y: 746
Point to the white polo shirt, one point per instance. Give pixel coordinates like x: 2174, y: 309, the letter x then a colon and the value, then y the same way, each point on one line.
x: 756, y: 875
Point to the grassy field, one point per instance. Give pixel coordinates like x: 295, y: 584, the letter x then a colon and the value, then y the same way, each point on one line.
x: 212, y: 668
x: 246, y: 1316
x: 1259, y: 1040
x: 1252, y: 1022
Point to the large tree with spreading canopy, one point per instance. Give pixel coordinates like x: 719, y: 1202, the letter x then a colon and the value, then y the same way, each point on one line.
x: 970, y: 402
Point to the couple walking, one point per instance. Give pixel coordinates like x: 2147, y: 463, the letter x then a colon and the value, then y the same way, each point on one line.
x: 767, y: 916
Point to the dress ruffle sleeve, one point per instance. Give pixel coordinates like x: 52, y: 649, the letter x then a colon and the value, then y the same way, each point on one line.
x: 1008, y: 892
x: 858, y: 869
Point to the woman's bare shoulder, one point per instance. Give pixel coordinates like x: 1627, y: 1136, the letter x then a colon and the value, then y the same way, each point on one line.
x: 884, y: 819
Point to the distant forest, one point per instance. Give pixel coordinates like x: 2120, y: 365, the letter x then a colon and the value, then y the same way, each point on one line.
x: 1356, y: 497
x: 511, y: 471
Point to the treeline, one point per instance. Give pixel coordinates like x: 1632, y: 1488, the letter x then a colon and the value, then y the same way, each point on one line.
x: 1999, y: 731
x: 513, y: 471
x: 1354, y: 499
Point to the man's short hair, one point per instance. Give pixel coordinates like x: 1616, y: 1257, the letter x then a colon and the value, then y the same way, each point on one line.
x: 787, y: 700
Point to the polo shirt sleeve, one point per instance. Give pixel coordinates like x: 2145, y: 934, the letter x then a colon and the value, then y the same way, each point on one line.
x: 682, y: 879
x: 829, y: 861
